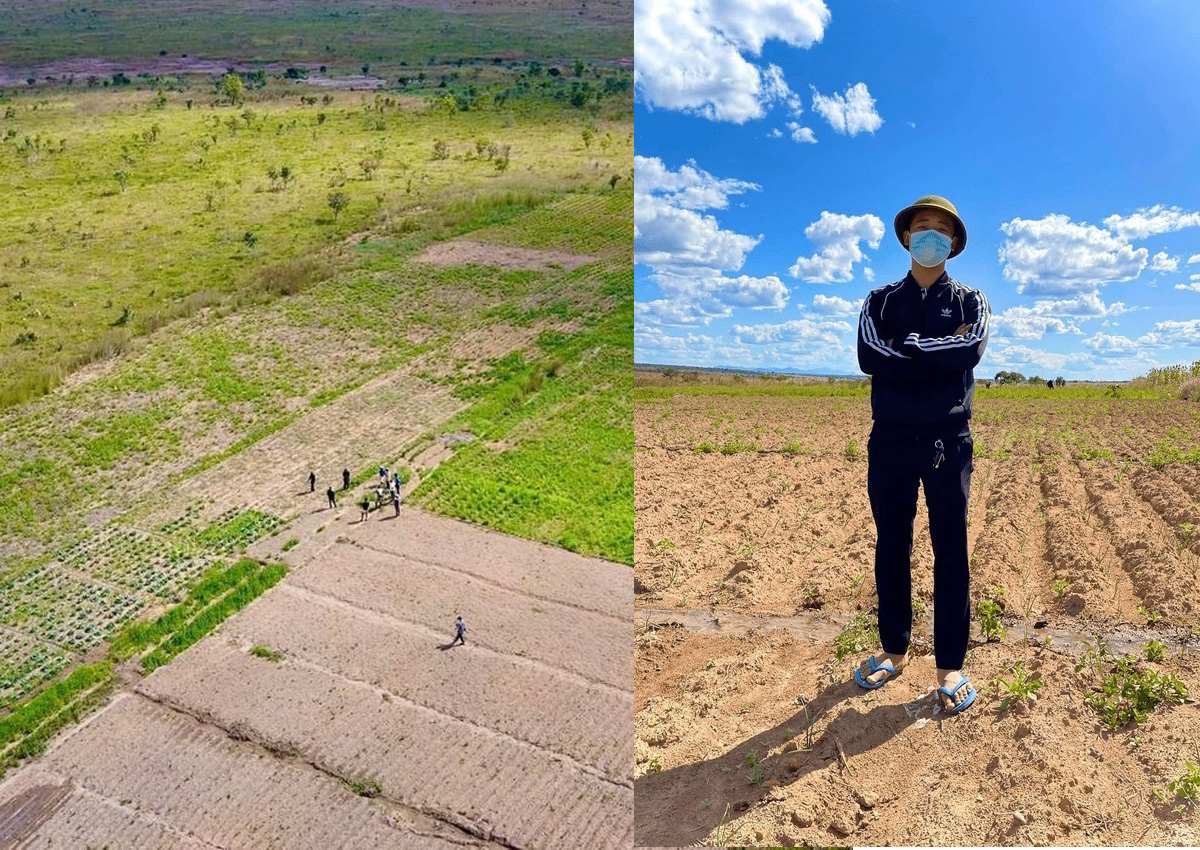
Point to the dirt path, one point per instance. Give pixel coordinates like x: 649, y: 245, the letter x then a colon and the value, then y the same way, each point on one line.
x: 518, y: 739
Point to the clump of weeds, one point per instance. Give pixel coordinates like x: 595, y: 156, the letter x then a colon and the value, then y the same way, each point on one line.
x: 860, y: 635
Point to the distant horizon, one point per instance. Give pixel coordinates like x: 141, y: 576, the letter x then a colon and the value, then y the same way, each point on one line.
x: 856, y: 375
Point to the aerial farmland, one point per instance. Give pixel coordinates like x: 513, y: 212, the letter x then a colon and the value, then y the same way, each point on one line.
x: 309, y: 349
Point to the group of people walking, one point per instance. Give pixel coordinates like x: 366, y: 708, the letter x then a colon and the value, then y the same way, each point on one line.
x: 390, y: 485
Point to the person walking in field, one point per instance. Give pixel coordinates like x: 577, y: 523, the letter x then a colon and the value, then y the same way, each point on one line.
x: 312, y: 482
x: 383, y: 474
x: 460, y: 632
x: 396, y: 494
x: 345, y: 479
x: 920, y: 339
x: 332, y: 497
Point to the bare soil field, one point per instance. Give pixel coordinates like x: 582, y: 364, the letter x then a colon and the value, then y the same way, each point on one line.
x: 361, y: 727
x: 750, y: 508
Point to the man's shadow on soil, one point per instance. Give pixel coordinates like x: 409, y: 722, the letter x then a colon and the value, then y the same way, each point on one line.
x: 669, y: 811
x: 445, y: 646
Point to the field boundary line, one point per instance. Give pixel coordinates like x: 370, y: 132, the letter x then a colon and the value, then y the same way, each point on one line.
x: 286, y: 754
x: 582, y: 767
x: 391, y: 620
x: 488, y: 581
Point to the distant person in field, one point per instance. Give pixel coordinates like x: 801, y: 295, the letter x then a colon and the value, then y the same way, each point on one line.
x: 312, y: 482
x: 460, y: 632
x: 920, y: 339
x: 345, y: 479
x: 364, y: 508
x: 396, y: 494
x: 383, y: 474
x: 396, y: 482
x: 332, y: 497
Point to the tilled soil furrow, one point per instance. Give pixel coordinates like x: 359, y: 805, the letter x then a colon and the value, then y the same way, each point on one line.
x: 587, y: 644
x: 521, y: 566
x: 531, y: 704
x: 1175, y: 504
x: 316, y: 712
x: 227, y: 793
x: 82, y: 818
x: 1083, y: 553
x: 1147, y: 548
x: 364, y: 426
x: 1008, y: 553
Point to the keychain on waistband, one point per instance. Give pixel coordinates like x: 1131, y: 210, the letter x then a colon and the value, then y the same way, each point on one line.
x: 939, y: 453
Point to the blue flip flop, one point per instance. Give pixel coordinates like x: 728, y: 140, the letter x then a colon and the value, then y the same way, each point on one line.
x: 875, y: 668
x: 962, y: 706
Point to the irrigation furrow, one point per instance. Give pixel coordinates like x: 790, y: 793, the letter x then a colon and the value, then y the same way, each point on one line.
x: 1081, y: 551
x: 477, y: 575
x: 1146, y: 549
x: 1069, y: 636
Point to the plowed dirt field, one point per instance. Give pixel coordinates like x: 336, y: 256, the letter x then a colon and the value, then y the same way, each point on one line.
x: 1072, y: 529
x: 356, y: 724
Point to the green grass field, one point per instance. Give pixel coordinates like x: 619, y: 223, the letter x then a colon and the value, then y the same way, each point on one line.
x: 131, y: 213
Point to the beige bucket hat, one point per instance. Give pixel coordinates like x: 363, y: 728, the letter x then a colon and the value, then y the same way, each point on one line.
x: 937, y: 202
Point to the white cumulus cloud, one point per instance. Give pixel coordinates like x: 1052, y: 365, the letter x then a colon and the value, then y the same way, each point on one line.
x: 1195, y: 258
x: 797, y: 330
x: 838, y: 239
x: 1194, y: 287
x: 1150, y: 221
x: 835, y: 306
x: 804, y: 135
x: 1163, y: 262
x: 1055, y: 256
x: 1173, y: 333
x: 850, y: 113
x: 691, y: 54
x: 689, y: 252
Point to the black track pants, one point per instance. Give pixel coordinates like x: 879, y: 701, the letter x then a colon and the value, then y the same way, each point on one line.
x: 897, y: 462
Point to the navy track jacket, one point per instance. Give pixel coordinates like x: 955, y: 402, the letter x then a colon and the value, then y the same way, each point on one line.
x: 925, y: 376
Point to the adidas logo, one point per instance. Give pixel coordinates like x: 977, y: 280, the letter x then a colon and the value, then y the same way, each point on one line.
x: 946, y: 312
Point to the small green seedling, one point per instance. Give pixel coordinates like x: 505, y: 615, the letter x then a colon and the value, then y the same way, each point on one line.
x: 1155, y: 651
x: 755, y: 771
x: 1060, y: 587
x: 989, y: 620
x: 859, y: 635
x: 1187, y: 787
x: 655, y: 765
x: 1021, y: 688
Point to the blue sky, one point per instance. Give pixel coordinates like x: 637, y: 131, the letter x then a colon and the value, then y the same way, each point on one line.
x: 777, y: 139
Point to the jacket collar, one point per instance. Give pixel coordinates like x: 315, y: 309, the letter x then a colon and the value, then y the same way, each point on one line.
x: 910, y: 283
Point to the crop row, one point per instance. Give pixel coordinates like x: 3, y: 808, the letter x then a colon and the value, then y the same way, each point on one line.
x: 254, y: 585
x: 25, y: 663
x: 25, y: 731
x: 63, y: 609
x: 132, y: 558
x: 234, y: 530
x: 220, y: 578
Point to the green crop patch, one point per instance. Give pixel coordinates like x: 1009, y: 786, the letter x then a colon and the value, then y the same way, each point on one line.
x: 27, y: 716
x: 251, y: 587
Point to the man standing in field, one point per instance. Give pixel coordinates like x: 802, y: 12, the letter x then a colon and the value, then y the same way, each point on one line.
x: 920, y: 339
x: 460, y: 632
x: 331, y: 496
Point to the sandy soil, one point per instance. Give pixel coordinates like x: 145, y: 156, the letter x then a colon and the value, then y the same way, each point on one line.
x: 464, y: 252
x: 518, y: 739
x: 1062, y: 491
x: 886, y: 767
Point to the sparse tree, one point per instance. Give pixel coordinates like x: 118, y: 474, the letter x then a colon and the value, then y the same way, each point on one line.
x: 338, y: 201
x: 233, y: 89
x: 369, y: 166
x: 441, y: 150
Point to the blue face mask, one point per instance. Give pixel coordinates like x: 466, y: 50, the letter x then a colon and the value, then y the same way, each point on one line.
x: 929, y: 248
